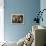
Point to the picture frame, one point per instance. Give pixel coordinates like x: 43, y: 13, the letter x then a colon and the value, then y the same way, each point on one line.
x: 17, y: 18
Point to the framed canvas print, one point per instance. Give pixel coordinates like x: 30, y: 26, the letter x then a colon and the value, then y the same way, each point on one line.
x: 17, y: 18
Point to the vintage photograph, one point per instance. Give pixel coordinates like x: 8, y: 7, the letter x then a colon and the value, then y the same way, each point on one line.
x: 17, y: 19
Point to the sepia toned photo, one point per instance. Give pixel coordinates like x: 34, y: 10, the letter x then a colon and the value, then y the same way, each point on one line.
x: 17, y: 19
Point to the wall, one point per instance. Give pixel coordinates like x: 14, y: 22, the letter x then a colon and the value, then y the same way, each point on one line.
x: 13, y: 32
x: 43, y: 6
